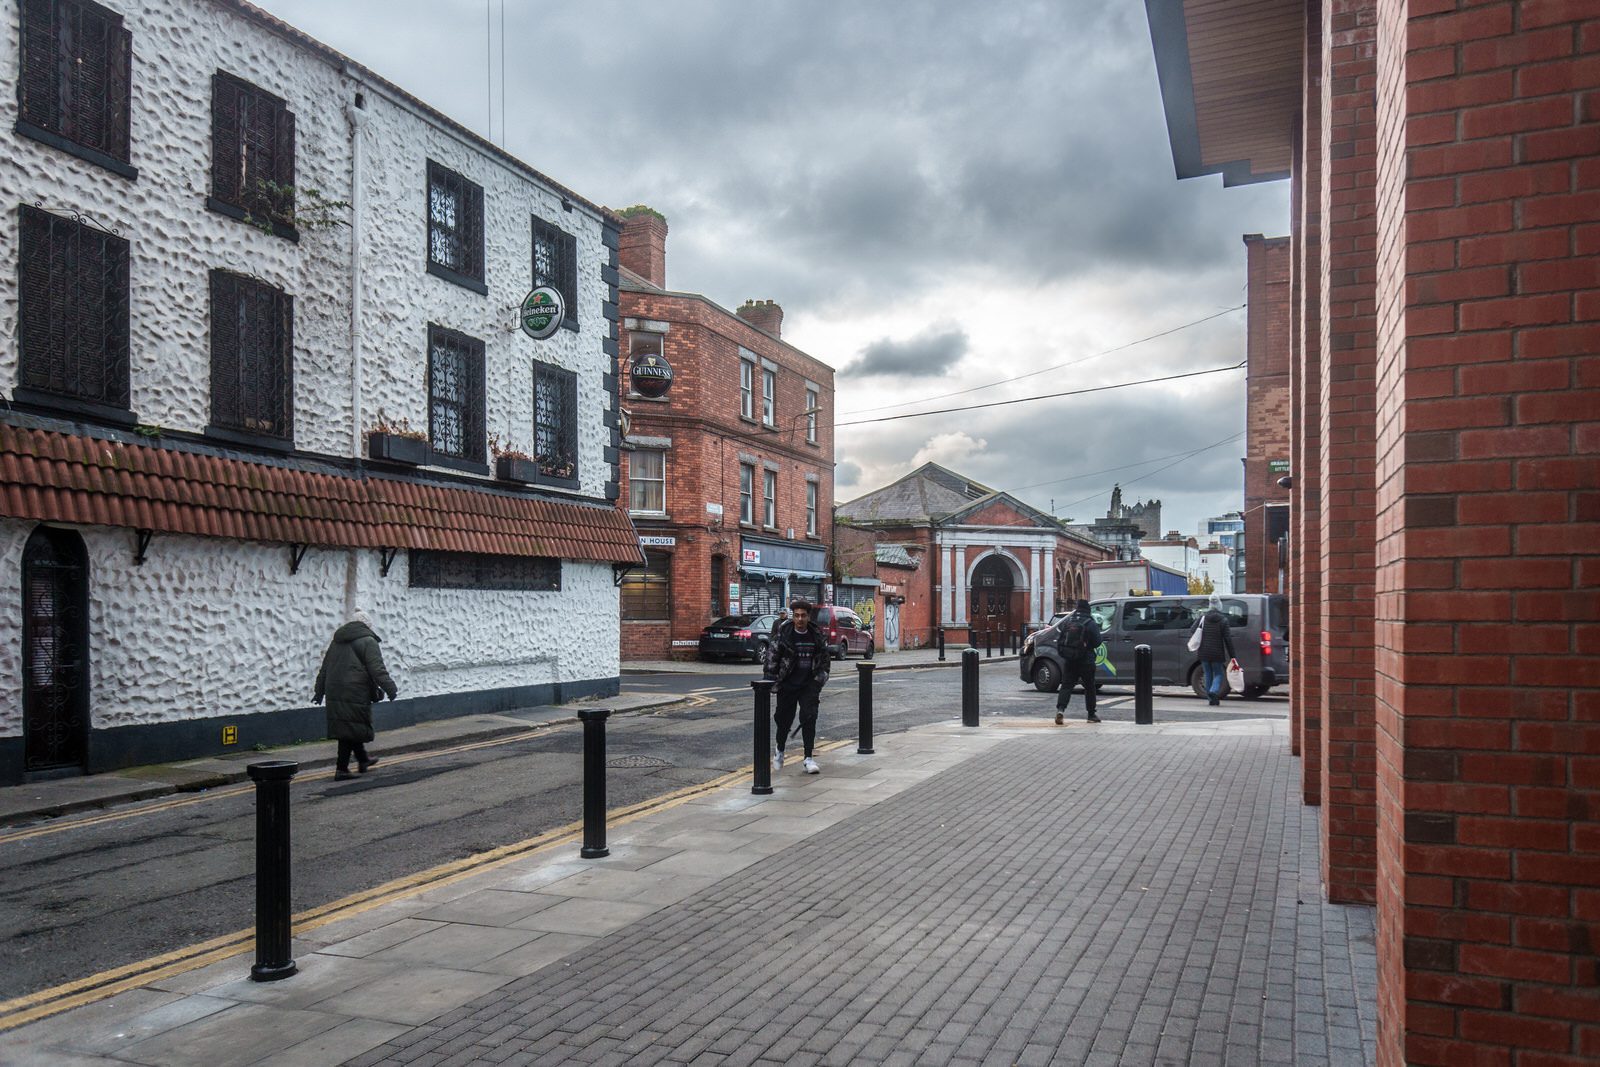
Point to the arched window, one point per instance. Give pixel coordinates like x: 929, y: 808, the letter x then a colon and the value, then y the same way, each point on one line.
x: 647, y: 593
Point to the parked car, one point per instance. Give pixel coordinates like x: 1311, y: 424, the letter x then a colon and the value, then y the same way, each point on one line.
x: 1259, y: 624
x: 737, y: 636
x: 844, y: 631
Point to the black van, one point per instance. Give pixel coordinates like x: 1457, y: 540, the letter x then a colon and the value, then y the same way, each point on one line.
x: 1258, y: 623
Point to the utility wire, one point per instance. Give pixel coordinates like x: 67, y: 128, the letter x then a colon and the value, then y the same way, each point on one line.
x: 1046, y: 370
x: 1124, y: 467
x: 1043, y: 396
x: 1150, y: 474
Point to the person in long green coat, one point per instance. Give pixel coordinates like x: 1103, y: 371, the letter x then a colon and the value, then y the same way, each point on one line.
x: 351, y: 679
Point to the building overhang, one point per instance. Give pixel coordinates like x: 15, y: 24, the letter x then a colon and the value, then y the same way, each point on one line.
x: 1230, y: 73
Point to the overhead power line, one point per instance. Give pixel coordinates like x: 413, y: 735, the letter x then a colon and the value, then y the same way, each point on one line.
x: 1046, y: 370
x: 1043, y: 396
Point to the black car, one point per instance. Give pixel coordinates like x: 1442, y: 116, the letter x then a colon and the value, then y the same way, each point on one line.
x: 738, y: 636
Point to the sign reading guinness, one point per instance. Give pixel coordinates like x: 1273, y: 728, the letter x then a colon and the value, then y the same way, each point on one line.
x: 650, y: 375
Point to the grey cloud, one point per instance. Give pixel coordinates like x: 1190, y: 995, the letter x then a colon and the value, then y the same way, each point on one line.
x: 846, y: 475
x: 929, y: 354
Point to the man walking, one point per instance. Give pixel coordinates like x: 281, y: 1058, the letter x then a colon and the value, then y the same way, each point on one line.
x: 798, y: 660
x: 1216, y: 649
x: 1077, y: 637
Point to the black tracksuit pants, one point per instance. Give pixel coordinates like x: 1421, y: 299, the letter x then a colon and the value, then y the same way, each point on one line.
x: 804, y: 700
x: 1073, y: 675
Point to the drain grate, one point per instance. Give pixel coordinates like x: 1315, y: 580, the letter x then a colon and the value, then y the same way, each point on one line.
x: 638, y: 761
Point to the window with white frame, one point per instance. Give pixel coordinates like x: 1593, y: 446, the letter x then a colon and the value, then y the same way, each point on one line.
x: 747, y: 396
x: 747, y: 491
x: 811, y: 509
x: 769, y: 498
x: 769, y: 393
x: 647, y: 481
x: 813, y: 402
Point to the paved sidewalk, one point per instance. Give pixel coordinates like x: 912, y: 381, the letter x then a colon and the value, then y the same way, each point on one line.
x: 61, y: 796
x: 1017, y: 894
x: 911, y: 658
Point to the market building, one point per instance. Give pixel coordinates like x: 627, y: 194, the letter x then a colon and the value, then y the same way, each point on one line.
x: 1443, y: 162
x: 992, y: 563
x: 728, y: 472
x: 238, y: 410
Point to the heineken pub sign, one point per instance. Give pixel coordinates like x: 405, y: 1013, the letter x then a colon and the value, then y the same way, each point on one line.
x: 541, y: 312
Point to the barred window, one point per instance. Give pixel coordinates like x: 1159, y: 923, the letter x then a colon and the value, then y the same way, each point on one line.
x: 73, y: 85
x: 555, y: 424
x: 252, y: 153
x: 747, y: 490
x: 455, y: 228
x: 430, y: 569
x: 647, y: 593
x: 647, y: 481
x: 455, y: 394
x: 73, y: 314
x: 555, y: 263
x: 252, y: 357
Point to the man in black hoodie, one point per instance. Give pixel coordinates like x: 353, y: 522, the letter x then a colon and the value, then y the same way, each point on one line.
x: 798, y: 660
x: 1077, y: 638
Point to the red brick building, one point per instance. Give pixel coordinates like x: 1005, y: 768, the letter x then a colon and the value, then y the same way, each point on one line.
x: 729, y: 476
x: 1266, y: 503
x: 1444, y: 167
x: 989, y: 562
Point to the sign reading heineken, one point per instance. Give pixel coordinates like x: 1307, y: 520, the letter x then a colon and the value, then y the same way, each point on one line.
x: 650, y: 375
x: 541, y: 313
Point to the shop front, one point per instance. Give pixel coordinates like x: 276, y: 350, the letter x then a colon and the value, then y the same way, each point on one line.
x: 772, y: 573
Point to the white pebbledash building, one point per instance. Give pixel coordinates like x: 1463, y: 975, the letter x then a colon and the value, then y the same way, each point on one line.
x: 266, y: 370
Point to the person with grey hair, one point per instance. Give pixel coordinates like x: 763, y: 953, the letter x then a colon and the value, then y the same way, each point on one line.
x: 1216, y: 648
x: 351, y: 679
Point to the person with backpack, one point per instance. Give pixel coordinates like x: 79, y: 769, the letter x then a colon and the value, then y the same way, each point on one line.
x: 798, y: 659
x: 1077, y: 638
x: 1215, y: 648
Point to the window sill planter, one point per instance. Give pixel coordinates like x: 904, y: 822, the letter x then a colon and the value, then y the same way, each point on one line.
x: 516, y: 469
x: 397, y: 449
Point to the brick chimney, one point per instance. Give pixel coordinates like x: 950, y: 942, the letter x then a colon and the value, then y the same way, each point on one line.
x: 763, y: 315
x: 642, y: 246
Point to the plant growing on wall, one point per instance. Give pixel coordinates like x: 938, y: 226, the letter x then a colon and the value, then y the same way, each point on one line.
x: 300, y: 209
x: 400, y: 427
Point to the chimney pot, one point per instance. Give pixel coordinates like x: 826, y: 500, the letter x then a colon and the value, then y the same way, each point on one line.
x: 764, y: 315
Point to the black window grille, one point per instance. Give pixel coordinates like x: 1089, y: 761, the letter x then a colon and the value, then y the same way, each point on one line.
x: 555, y: 424
x: 647, y: 593
x: 430, y: 569
x: 455, y: 394
x: 455, y: 227
x: 73, y: 310
x: 555, y: 263
x: 252, y: 152
x: 252, y: 357
x: 77, y: 60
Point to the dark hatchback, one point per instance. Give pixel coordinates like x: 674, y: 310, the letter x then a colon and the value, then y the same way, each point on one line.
x: 737, y: 637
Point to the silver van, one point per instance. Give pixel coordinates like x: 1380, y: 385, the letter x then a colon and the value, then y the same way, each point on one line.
x: 1258, y: 623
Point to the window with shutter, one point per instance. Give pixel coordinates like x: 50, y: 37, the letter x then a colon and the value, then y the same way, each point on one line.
x: 455, y: 394
x: 455, y: 228
x: 252, y: 155
x: 73, y: 84
x: 73, y: 313
x: 555, y: 425
x: 555, y: 263
x: 252, y: 359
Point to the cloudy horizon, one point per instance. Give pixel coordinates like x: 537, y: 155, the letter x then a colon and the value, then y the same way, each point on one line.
x: 939, y: 196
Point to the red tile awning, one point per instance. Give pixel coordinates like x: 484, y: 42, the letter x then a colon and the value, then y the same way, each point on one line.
x: 57, y: 477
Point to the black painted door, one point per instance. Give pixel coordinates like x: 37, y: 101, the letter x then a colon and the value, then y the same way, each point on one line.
x: 55, y: 650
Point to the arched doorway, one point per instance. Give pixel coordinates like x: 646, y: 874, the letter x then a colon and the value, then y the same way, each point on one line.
x: 55, y: 651
x: 992, y: 585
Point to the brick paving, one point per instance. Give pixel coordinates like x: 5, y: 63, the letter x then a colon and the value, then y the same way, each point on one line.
x: 1094, y: 896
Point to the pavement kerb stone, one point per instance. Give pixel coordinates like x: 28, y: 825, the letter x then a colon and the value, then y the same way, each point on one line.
x: 147, y: 782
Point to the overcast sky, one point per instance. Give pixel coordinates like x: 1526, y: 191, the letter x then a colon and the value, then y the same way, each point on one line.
x: 938, y: 194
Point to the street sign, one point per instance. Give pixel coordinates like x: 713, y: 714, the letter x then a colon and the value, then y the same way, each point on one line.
x: 657, y: 541
x: 541, y: 312
x: 733, y: 592
x: 713, y: 509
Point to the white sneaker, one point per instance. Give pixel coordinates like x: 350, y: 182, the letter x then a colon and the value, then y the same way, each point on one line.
x: 811, y: 766
x: 777, y: 761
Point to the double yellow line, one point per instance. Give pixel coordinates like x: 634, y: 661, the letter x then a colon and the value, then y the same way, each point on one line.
x: 46, y: 1002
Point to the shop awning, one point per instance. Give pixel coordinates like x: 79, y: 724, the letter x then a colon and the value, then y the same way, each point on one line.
x: 779, y: 574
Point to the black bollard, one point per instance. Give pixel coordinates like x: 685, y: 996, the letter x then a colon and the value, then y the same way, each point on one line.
x: 864, y: 708
x: 988, y: 642
x: 969, y: 687
x: 594, y: 783
x: 1143, y: 709
x: 273, y: 917
x: 941, y: 644
x: 763, y: 737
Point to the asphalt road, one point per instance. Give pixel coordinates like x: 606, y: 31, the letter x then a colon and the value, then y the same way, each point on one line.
x: 84, y: 898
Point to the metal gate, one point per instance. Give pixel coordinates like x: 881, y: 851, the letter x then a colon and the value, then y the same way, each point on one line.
x: 55, y: 650
x: 891, y: 624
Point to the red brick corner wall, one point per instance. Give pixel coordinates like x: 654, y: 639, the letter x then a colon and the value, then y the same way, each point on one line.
x: 1268, y: 341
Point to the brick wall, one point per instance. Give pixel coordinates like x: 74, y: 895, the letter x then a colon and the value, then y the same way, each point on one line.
x: 1346, y: 350
x: 1488, y: 618
x: 1267, y: 417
